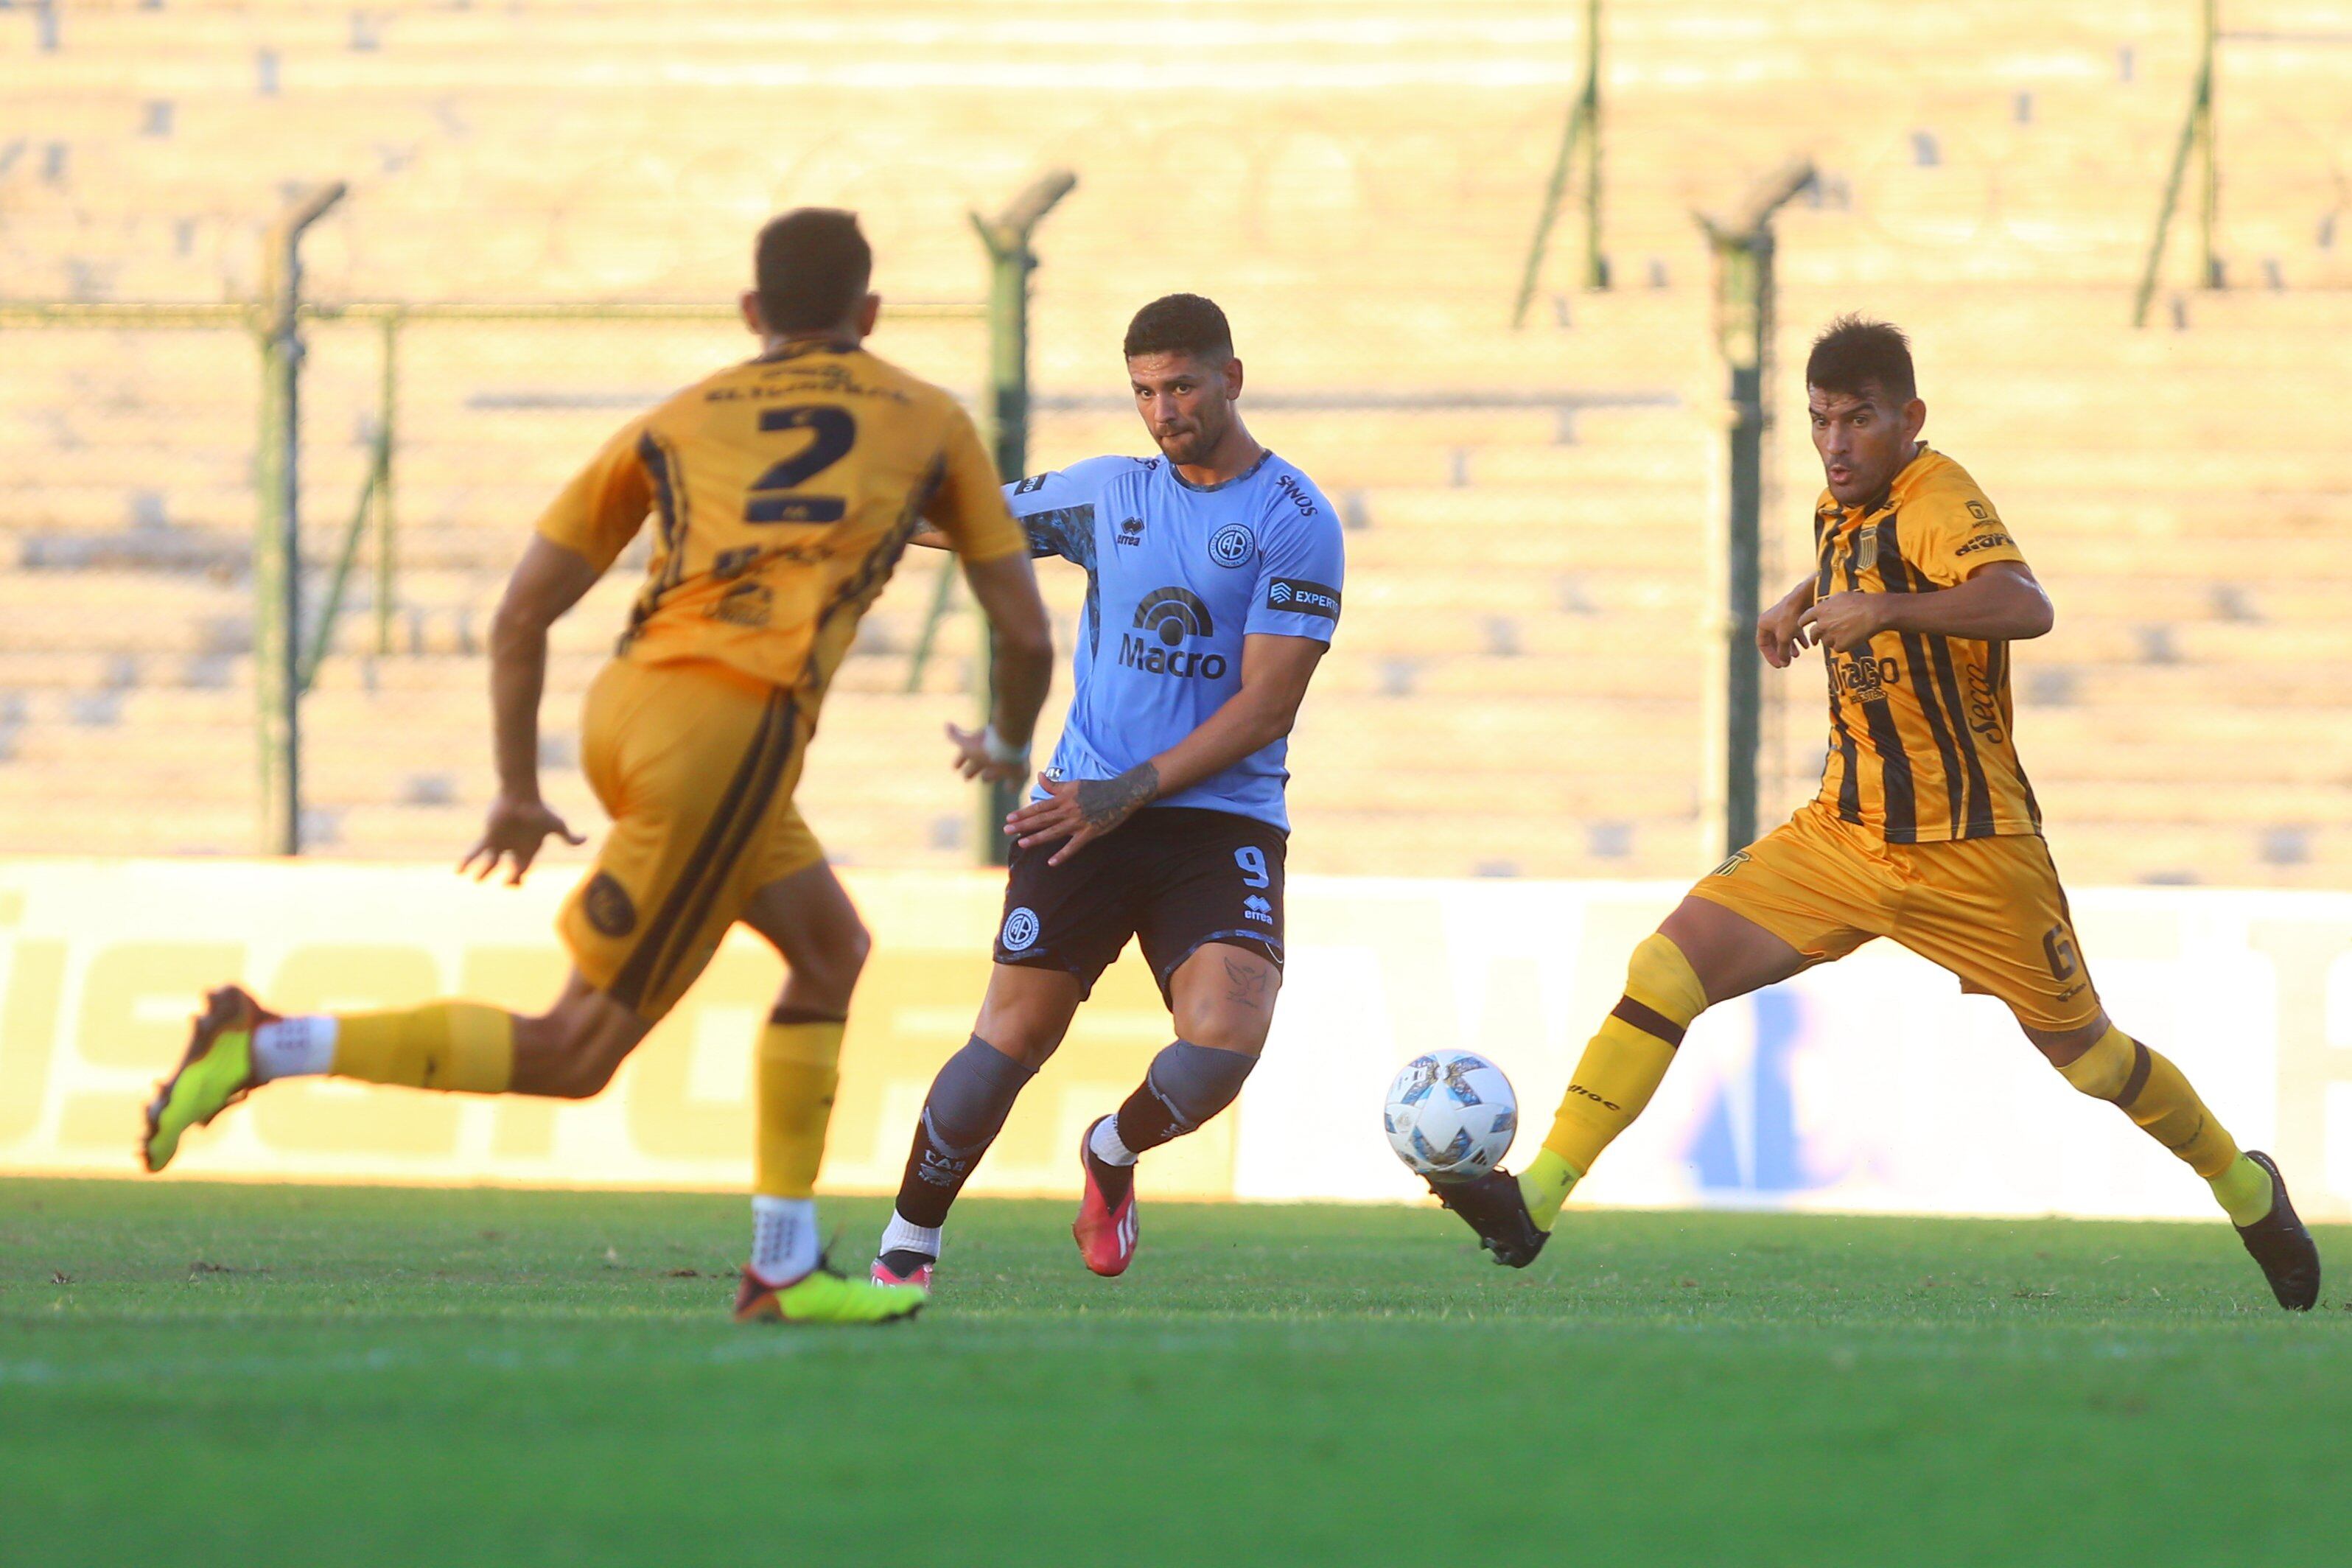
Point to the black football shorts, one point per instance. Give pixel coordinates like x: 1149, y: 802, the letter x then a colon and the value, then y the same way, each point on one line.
x: 1176, y: 877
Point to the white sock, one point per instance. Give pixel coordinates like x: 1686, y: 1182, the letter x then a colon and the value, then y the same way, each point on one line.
x: 783, y: 1238
x: 905, y: 1236
x: 1104, y: 1145
x: 294, y: 1047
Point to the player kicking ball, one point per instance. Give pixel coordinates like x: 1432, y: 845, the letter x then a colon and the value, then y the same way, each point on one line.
x: 782, y: 492
x: 1925, y: 829
x: 1212, y: 588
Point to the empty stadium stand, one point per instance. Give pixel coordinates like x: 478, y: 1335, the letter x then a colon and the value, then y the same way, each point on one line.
x: 1520, y: 685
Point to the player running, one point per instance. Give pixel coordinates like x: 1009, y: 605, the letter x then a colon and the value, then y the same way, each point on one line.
x: 783, y: 490
x: 1212, y: 588
x: 1925, y: 829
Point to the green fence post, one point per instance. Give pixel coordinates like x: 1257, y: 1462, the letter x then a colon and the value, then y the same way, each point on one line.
x: 1743, y: 246
x: 1581, y: 136
x: 277, y: 545
x: 1010, y: 261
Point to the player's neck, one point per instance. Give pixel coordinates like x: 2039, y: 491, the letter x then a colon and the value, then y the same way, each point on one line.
x: 1235, y: 454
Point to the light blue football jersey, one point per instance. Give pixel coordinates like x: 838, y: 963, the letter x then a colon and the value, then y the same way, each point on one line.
x: 1177, y: 575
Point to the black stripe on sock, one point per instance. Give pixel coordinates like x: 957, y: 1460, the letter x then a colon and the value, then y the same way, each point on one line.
x: 1647, y: 1019
x: 2138, y: 1079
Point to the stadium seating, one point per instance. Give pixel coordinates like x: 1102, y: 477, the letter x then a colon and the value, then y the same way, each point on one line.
x: 1519, y: 687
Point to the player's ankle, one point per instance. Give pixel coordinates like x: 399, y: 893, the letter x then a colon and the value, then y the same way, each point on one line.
x: 1545, y: 1184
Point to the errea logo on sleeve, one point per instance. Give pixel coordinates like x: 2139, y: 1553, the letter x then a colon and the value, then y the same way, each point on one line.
x: 1301, y: 597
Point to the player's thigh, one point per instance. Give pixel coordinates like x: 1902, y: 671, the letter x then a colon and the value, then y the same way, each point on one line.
x: 803, y: 911
x: 1210, y: 878
x: 703, y: 766
x: 1027, y: 1011
x: 1808, y: 892
x: 1066, y: 924
x: 1993, y: 912
x: 1223, y: 996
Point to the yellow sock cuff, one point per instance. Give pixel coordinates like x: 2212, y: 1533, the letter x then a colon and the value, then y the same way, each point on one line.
x: 460, y: 1047
x: 2104, y: 1070
x: 798, y: 1079
x: 1660, y: 978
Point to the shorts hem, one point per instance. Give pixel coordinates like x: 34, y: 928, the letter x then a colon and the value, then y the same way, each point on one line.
x: 1807, y: 943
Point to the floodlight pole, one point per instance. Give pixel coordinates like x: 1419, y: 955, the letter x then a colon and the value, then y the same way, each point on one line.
x: 1743, y: 246
x: 278, y: 536
x: 1580, y: 142
x: 1011, y: 260
x: 2196, y: 136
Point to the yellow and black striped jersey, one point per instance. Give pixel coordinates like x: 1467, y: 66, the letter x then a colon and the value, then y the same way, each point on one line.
x: 1922, y: 742
x: 784, y: 490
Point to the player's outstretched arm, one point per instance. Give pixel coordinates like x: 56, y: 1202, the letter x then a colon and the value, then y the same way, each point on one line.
x: 550, y: 580
x: 1021, y: 669
x: 1275, y: 672
x: 2000, y: 602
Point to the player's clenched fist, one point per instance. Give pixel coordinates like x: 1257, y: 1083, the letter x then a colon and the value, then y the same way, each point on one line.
x: 1847, y: 622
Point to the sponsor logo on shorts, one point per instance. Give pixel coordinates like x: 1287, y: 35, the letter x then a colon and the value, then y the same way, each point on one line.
x: 1739, y: 858
x: 1021, y: 931
x: 1234, y: 545
x: 1301, y: 597
x: 608, y: 906
x: 1984, y: 541
x: 1256, y: 908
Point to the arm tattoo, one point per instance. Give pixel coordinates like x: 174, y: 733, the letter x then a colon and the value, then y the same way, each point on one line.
x: 1106, y: 803
x: 1245, y: 985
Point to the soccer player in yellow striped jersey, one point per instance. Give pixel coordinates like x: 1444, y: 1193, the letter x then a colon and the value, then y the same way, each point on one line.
x: 782, y: 492
x: 1925, y: 829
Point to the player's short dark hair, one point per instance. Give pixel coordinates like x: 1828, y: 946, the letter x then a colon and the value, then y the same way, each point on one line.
x: 1181, y: 324
x: 1854, y: 354
x: 812, y: 266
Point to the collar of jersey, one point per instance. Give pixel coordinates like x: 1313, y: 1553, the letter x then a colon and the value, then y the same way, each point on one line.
x: 1264, y: 456
x: 807, y: 346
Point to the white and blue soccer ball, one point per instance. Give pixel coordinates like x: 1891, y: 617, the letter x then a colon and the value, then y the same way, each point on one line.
x: 1451, y: 1113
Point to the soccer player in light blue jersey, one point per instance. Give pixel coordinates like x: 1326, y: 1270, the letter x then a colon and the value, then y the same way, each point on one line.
x: 1212, y: 587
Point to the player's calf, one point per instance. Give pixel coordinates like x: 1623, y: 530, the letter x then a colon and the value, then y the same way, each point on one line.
x: 1185, y: 1086
x: 962, y: 1114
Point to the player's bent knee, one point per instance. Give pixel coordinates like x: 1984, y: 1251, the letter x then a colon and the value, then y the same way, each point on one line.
x: 1230, y: 1028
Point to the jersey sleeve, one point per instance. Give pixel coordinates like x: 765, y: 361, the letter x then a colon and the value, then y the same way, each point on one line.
x: 968, y: 507
x: 1057, y: 510
x: 1301, y: 564
x: 1959, y: 533
x: 606, y: 502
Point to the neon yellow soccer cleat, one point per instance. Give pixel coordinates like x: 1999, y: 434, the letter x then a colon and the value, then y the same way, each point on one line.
x: 822, y: 1296
x: 215, y: 1073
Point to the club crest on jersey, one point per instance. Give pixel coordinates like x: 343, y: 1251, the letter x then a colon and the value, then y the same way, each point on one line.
x: 1021, y: 930
x: 1170, y: 616
x: 1866, y: 551
x: 1232, y: 545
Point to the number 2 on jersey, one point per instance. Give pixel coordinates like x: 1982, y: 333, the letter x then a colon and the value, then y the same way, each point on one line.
x: 831, y: 431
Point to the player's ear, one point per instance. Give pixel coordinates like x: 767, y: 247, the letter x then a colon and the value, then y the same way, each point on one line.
x: 1914, y: 419
x: 870, y: 310
x: 753, y: 317
x: 1232, y: 378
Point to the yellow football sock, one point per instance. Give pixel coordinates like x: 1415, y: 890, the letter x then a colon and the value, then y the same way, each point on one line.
x: 460, y: 1047
x: 798, y: 1073
x: 1619, y: 1071
x: 2147, y: 1087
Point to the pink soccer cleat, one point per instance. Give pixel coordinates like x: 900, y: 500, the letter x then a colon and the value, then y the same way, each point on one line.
x: 1106, y: 1230
x: 918, y: 1271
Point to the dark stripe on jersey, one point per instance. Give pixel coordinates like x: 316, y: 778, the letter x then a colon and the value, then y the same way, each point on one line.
x: 1897, y: 796
x: 768, y: 772
x: 661, y: 466
x: 858, y: 588
x: 630, y: 985
x: 1897, y: 572
x: 1947, y: 682
x: 1849, y: 782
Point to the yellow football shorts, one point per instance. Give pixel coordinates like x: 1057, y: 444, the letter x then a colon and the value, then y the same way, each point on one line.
x: 694, y: 763
x: 1987, y: 909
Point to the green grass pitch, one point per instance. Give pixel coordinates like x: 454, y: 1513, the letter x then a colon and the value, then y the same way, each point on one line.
x: 196, y: 1373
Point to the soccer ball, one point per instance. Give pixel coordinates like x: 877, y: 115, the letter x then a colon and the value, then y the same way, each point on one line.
x: 1451, y: 1113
